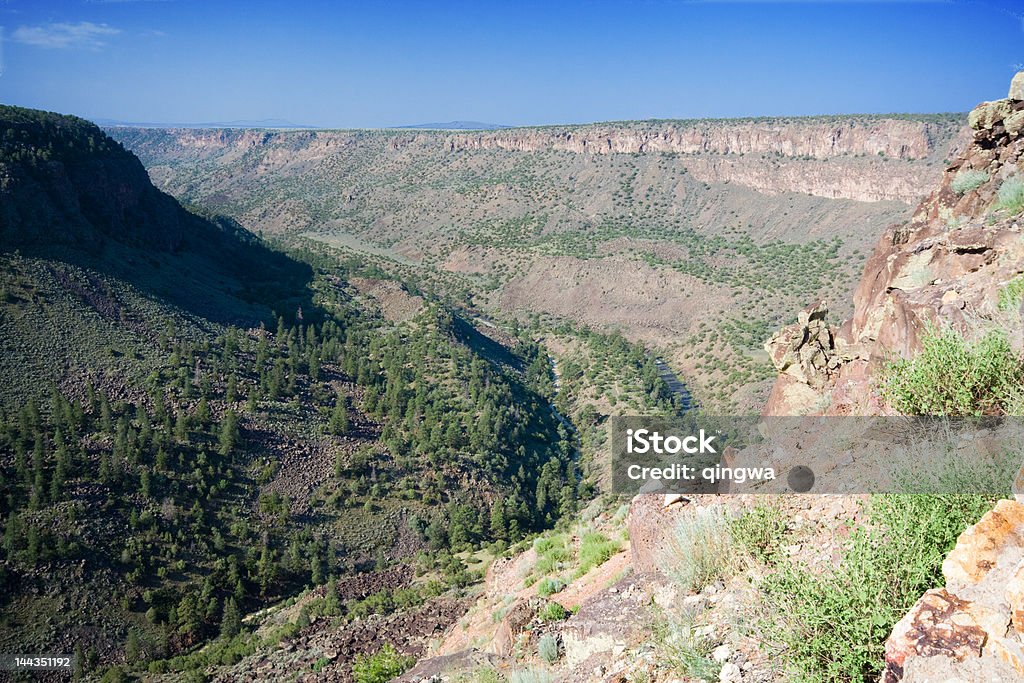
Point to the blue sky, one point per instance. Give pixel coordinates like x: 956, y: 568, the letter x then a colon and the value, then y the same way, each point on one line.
x: 392, y: 63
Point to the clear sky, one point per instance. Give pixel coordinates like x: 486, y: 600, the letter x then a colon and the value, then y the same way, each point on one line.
x: 384, y: 63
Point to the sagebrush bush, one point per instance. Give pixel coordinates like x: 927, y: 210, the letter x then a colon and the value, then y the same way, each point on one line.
x: 1011, y: 294
x: 550, y: 586
x: 951, y: 376
x: 547, y: 648
x: 685, y: 647
x: 968, y: 180
x: 1011, y: 195
x: 832, y: 625
x: 529, y: 676
x: 702, y: 550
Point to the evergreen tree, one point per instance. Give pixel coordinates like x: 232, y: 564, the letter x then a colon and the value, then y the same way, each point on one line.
x: 231, y: 619
x: 339, y: 417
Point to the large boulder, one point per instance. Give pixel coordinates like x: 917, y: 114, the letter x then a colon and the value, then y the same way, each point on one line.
x: 975, y: 623
x: 805, y: 350
x: 1017, y: 87
x: 987, y: 114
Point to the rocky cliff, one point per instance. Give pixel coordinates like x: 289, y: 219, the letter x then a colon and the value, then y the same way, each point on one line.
x: 869, y: 158
x: 945, y: 267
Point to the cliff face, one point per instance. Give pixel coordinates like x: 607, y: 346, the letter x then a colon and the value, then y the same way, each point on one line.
x: 835, y: 157
x: 818, y: 138
x: 945, y: 267
x: 62, y: 180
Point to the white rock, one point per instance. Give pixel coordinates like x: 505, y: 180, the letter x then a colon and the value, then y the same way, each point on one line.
x: 721, y: 654
x: 730, y: 673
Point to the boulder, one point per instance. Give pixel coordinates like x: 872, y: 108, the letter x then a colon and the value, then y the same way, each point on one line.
x: 1014, y: 123
x: 976, y: 622
x: 987, y: 114
x: 935, y: 626
x: 1017, y: 87
x: 805, y: 350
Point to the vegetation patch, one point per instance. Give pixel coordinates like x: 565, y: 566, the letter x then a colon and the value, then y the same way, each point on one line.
x: 832, y: 625
x: 951, y: 376
x: 1011, y: 195
x: 703, y: 550
x: 967, y: 180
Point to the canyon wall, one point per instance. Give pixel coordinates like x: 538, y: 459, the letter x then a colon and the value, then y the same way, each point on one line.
x: 867, y: 158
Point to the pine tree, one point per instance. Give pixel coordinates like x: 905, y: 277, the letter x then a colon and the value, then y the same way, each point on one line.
x: 228, y: 433
x: 231, y: 620
x: 339, y: 417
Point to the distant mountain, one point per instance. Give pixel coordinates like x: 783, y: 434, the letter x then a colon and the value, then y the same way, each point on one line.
x: 458, y: 125
x: 242, y: 123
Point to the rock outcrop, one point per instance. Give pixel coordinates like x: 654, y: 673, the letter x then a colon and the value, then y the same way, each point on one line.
x: 973, y: 628
x: 945, y: 267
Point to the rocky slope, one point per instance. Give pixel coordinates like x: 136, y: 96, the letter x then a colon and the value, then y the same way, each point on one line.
x: 949, y: 266
x: 79, y: 189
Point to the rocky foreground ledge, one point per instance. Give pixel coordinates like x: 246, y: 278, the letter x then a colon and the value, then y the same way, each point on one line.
x: 972, y: 629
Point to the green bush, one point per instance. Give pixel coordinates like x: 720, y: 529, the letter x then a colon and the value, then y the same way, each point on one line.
x: 547, y: 648
x: 953, y: 377
x: 1011, y: 294
x: 702, y: 551
x: 760, y: 531
x: 595, y: 549
x: 968, y: 180
x: 552, y: 611
x: 1011, y: 195
x: 549, y: 587
x: 832, y: 626
x: 381, y: 667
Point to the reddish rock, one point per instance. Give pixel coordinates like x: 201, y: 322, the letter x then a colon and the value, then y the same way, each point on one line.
x: 935, y: 625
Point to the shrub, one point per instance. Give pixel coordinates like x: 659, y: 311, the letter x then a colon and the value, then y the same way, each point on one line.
x: 381, y: 667
x: 595, y: 549
x: 552, y: 611
x: 549, y: 587
x: 1011, y: 293
x: 529, y: 676
x: 968, y: 180
x: 760, y: 531
x: 547, y: 648
x: 1011, y: 195
x: 685, y: 647
x: 953, y: 377
x: 702, y: 550
x: 832, y: 626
